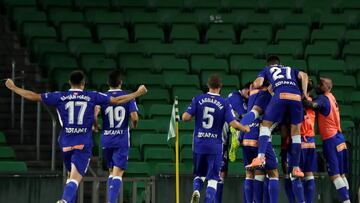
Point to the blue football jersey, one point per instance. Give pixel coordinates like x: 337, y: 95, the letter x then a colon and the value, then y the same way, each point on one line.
x: 282, y: 78
x: 211, y: 111
x: 238, y: 103
x: 115, y: 129
x: 75, y: 109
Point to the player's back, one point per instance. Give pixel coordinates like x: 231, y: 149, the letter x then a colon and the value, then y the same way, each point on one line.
x: 115, y: 128
x: 210, y: 117
x: 284, y: 79
x: 238, y: 103
x: 76, y: 114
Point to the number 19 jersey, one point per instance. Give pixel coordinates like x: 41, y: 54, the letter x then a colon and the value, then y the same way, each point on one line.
x: 75, y: 109
x: 115, y: 129
x: 211, y: 111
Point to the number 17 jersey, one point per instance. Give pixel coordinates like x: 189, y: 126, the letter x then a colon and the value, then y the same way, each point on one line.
x: 211, y: 111
x: 115, y: 129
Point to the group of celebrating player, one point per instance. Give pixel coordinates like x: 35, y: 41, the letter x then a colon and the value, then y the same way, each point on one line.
x: 279, y: 97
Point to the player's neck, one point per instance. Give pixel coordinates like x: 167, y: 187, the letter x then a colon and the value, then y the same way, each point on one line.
x: 115, y: 88
x: 214, y: 91
x: 76, y: 87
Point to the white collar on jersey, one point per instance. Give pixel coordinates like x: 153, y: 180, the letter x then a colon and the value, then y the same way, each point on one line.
x: 76, y: 90
x: 213, y: 94
x: 114, y: 90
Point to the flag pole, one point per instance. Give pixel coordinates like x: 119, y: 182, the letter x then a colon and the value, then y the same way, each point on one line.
x: 177, y: 118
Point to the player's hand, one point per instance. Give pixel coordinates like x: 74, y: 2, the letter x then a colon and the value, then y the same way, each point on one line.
x: 142, y: 89
x: 10, y: 84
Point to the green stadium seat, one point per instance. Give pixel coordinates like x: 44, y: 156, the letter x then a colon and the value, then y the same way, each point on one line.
x: 256, y: 33
x: 141, y: 111
x: 352, y: 35
x: 256, y: 20
x: 239, y: 64
x: 284, y: 50
x: 184, y: 33
x: 326, y: 65
x: 355, y: 102
x: 346, y: 112
x: 185, y: 93
x: 221, y: 33
x: 98, y: 77
x: 347, y: 125
x: 277, y: 5
x: 340, y: 96
x: 248, y: 76
x: 6, y: 153
x: 12, y: 166
x: 185, y: 140
x: 236, y: 168
x: 186, y: 127
x: 29, y: 15
x: 297, y: 63
x: 83, y: 4
x: 2, y: 138
x: 328, y: 33
x: 342, y: 19
x: 32, y: 31
x: 53, y: 62
x: 181, y: 81
x: 206, y: 63
x: 201, y: 4
x: 151, y: 80
x: 170, y: 63
x: 140, y: 17
x: 295, y: 19
x: 47, y: 4
x: 134, y: 62
x: 138, y: 169
x: 10, y: 4
x: 134, y: 154
x: 186, y: 155
x: 160, y: 111
x: 89, y: 49
x: 351, y: 53
x: 293, y: 33
x: 250, y: 48
x: 101, y: 17
x: 155, y: 96
x: 59, y: 16
x: 169, y: 168
x: 41, y: 48
x: 111, y: 33
x: 227, y: 80
x: 234, y: 4
x: 74, y: 31
x: 90, y: 62
x: 164, y: 4
x: 154, y: 155
x: 147, y: 32
x: 322, y: 49
x: 153, y: 140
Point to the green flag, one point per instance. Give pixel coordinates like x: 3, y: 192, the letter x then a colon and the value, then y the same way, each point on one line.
x: 174, y: 118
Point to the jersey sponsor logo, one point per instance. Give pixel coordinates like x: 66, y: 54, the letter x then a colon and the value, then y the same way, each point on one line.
x: 75, y: 130
x: 75, y: 96
x: 290, y: 96
x: 341, y: 147
x: 285, y: 83
x: 206, y: 135
x: 211, y: 100
x: 113, y: 132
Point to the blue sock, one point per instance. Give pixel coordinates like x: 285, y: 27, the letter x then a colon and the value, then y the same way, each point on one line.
x: 108, y: 186
x: 249, y: 117
x: 274, y: 190
x: 249, y: 190
x: 198, y: 183
x: 266, y: 191
x: 70, y: 190
x: 288, y: 190
x: 258, y: 188
x: 219, y: 190
x: 263, y: 140
x: 295, y: 151
x: 298, y: 189
x: 210, y: 191
x: 115, y: 188
x: 309, y: 189
x: 340, y: 186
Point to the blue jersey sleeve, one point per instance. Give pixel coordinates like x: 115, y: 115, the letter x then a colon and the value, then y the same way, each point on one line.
x: 296, y: 72
x: 237, y: 103
x: 262, y: 74
x: 132, y: 106
x: 101, y: 98
x: 324, y: 104
x: 229, y: 113
x: 51, y: 98
x: 192, y: 108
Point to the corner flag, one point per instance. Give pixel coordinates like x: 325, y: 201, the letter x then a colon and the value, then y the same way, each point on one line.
x: 174, y: 132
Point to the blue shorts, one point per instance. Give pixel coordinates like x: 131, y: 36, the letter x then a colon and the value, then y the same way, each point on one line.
x: 225, y: 159
x: 278, y: 109
x: 80, y: 158
x: 207, y: 165
x: 308, y: 157
x: 336, y: 155
x: 249, y: 153
x: 116, y: 157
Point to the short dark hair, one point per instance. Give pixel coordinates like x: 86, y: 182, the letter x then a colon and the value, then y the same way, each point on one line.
x: 114, y: 79
x: 214, y: 81
x: 272, y: 60
x: 77, y: 77
x: 247, y: 85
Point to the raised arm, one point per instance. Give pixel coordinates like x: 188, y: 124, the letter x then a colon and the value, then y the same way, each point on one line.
x: 235, y: 124
x: 311, y: 104
x: 29, y: 95
x: 304, y: 82
x: 259, y: 81
x: 125, y: 98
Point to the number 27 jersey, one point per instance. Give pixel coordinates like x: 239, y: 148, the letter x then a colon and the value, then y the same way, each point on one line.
x: 211, y: 111
x: 75, y: 109
x: 282, y: 78
x: 115, y: 129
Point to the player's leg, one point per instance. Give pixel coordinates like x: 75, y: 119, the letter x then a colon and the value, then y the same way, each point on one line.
x: 107, y: 154
x: 331, y: 155
x: 285, y: 132
x: 249, y: 186
x: 273, y: 174
x: 309, y: 187
x: 259, y: 179
x: 250, y: 116
x: 249, y: 153
x: 199, y: 173
x: 308, y: 163
x: 115, y: 184
x: 213, y: 171
x: 220, y: 186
